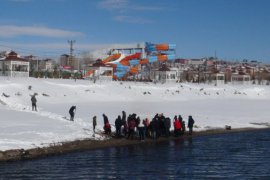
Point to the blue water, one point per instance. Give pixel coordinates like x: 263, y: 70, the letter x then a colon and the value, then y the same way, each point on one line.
x: 244, y: 155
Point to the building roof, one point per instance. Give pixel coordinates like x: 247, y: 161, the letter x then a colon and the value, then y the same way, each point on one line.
x: 98, y: 63
x: 164, y: 68
x: 64, y: 55
x: 12, y: 56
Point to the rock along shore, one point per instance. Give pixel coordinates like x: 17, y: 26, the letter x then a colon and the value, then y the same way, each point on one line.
x: 90, y: 144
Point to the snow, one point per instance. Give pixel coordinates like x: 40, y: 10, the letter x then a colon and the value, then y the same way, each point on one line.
x: 239, y: 106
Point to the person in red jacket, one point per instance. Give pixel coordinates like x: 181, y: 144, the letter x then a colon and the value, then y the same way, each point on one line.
x: 131, y: 130
x: 177, y: 127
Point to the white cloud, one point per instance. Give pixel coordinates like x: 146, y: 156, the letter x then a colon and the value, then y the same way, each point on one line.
x: 77, y: 46
x: 147, y: 8
x: 20, y: 1
x: 134, y: 20
x: 13, y: 31
x: 56, y: 49
x: 126, y: 5
x: 114, y: 4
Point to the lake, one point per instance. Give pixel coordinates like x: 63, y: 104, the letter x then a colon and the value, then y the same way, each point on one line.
x: 244, y: 155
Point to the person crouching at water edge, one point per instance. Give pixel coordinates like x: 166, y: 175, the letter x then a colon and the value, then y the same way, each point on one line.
x: 72, y: 111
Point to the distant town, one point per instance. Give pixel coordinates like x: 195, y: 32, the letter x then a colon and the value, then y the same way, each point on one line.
x: 146, y: 62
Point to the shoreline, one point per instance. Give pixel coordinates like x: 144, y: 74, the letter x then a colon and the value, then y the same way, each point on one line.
x: 90, y: 144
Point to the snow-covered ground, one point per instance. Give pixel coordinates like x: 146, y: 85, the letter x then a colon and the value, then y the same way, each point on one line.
x: 211, y: 107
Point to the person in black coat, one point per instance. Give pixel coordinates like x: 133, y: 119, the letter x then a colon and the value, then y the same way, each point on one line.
x: 124, y: 116
x: 183, y: 127
x: 72, y: 111
x: 190, y: 124
x: 167, y: 126
x: 118, y: 124
x: 34, y: 102
x: 94, y: 123
x: 105, y: 118
x: 155, y: 127
x: 162, y: 128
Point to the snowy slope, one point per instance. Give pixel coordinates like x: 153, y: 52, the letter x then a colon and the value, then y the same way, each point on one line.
x: 211, y: 106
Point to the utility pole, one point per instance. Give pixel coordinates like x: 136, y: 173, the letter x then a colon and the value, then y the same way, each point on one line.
x: 71, y: 43
x: 216, y: 59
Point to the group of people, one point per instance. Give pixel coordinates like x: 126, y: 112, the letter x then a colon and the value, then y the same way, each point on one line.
x: 132, y: 126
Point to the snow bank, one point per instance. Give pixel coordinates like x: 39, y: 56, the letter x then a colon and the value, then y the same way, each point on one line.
x: 211, y: 106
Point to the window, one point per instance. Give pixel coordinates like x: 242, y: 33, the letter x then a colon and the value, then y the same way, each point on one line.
x: 21, y: 68
x: 220, y: 78
x: 172, y: 76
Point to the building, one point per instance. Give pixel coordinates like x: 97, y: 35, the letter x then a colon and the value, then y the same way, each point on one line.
x: 196, y: 62
x: 129, y: 49
x: 99, y: 71
x: 179, y: 62
x: 165, y: 74
x: 209, y: 62
x: 64, y: 60
x: 218, y: 78
x: 71, y: 63
x: 240, y: 79
x: 11, y: 64
x: 46, y: 65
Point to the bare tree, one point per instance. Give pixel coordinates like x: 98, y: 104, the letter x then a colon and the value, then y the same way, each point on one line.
x: 88, y: 59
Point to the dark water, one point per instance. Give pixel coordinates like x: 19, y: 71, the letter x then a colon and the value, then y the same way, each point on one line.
x: 243, y: 155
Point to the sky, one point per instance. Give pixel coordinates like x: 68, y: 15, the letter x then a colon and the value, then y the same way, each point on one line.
x: 229, y: 29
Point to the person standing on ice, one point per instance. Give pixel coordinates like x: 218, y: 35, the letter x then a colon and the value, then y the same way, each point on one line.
x: 190, y: 124
x: 118, y: 124
x: 177, y: 127
x: 107, y: 126
x: 124, y: 116
x: 72, y: 111
x: 167, y: 124
x: 141, y: 127
x: 94, y: 123
x: 105, y: 119
x: 34, y: 102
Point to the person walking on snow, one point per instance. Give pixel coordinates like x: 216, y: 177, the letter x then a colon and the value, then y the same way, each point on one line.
x: 72, y: 111
x: 34, y: 102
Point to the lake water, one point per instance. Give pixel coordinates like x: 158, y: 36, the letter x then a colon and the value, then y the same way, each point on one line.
x: 244, y: 155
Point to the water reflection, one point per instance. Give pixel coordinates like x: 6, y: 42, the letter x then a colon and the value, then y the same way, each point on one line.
x: 230, y: 156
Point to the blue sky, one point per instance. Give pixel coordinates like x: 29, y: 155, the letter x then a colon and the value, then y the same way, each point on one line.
x: 234, y: 29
